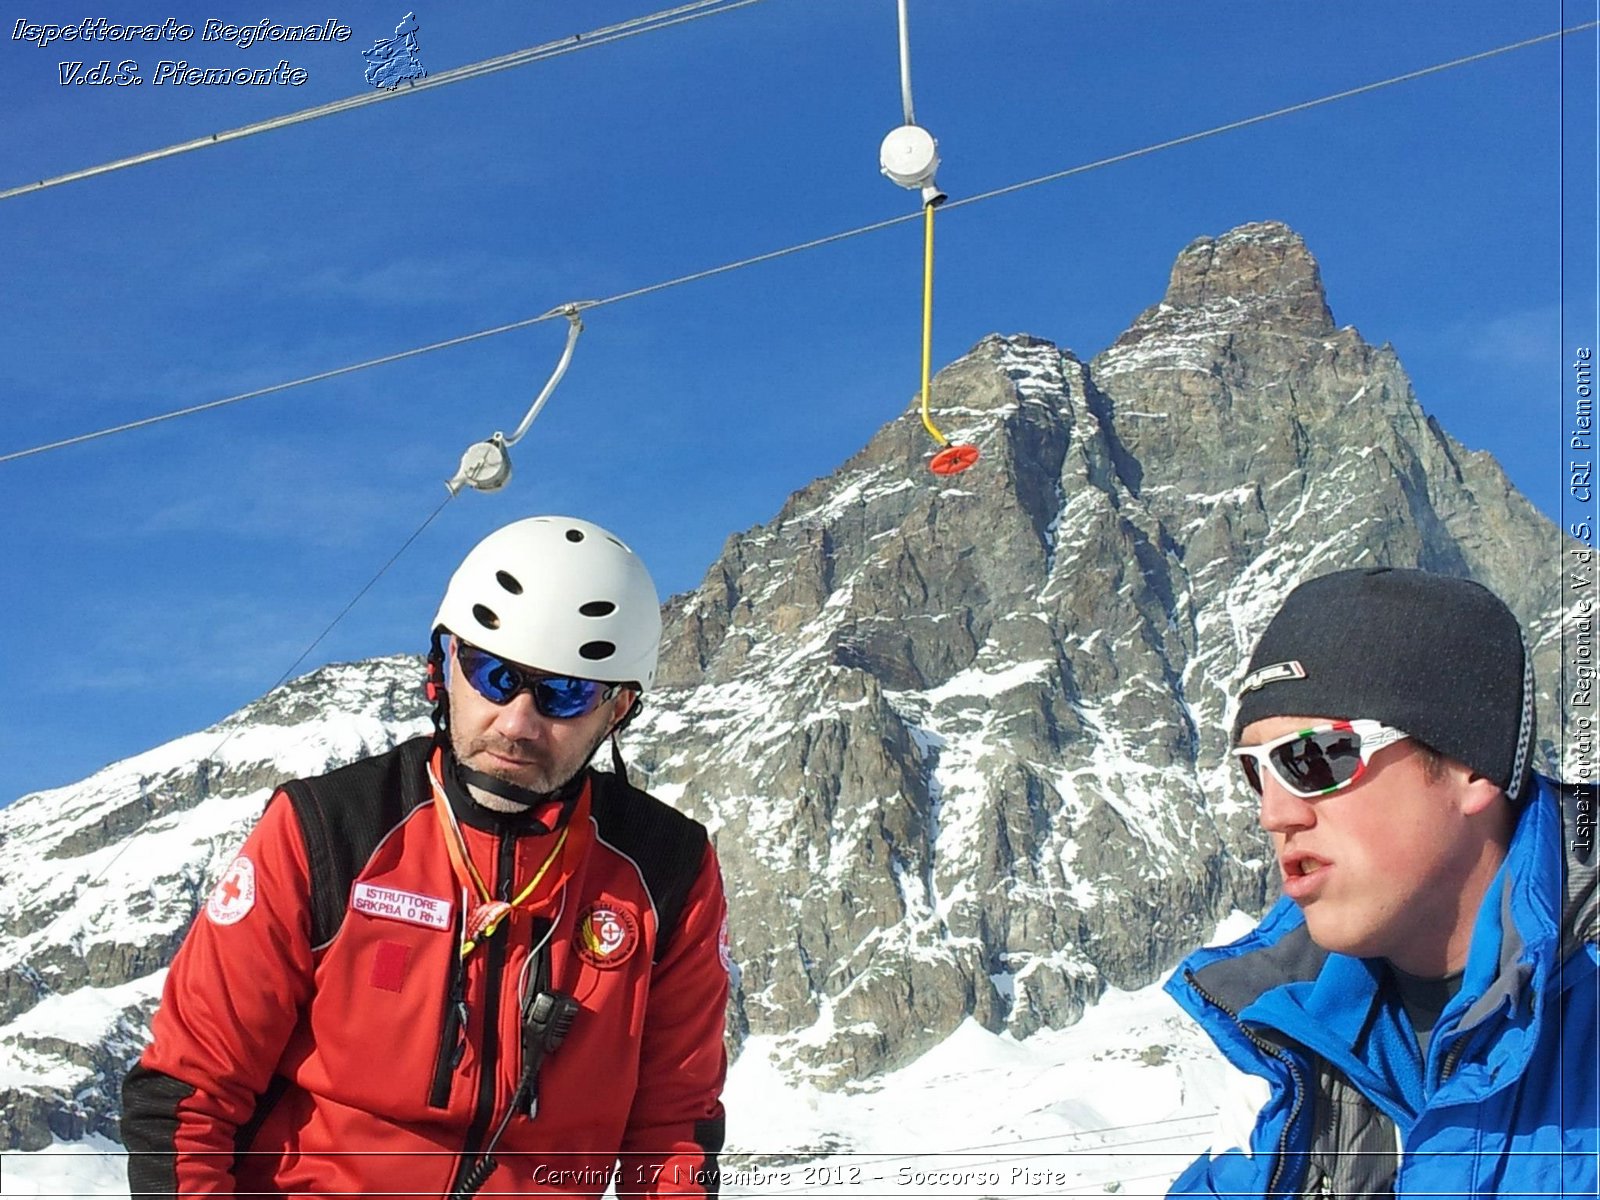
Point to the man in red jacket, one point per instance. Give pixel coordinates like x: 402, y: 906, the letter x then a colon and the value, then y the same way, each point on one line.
x: 471, y: 963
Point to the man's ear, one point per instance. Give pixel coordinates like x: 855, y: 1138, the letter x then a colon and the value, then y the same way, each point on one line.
x: 622, y: 708
x: 1476, y: 793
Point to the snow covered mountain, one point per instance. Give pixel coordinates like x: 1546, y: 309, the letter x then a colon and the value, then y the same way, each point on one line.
x: 961, y: 742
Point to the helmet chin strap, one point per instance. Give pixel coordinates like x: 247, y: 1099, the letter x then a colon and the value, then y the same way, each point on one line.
x: 616, y: 750
x: 436, y: 691
x: 566, y: 795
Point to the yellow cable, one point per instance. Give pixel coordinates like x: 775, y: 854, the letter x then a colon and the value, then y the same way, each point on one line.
x: 927, y: 321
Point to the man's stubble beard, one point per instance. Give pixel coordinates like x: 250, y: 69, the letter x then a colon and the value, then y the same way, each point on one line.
x: 538, y: 777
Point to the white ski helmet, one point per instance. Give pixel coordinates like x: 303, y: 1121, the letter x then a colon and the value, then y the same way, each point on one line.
x: 560, y: 595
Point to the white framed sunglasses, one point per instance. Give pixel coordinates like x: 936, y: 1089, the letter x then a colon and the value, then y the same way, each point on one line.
x: 1324, y: 758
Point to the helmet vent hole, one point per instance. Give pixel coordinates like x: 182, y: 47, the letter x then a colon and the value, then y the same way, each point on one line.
x: 485, y: 617
x: 598, y: 608
x: 574, y: 535
x: 509, y: 582
x: 595, y: 651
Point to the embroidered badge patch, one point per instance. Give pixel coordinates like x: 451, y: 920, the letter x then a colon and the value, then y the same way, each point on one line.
x: 606, y: 935
x: 725, y: 947
x: 235, y: 893
x: 410, y: 907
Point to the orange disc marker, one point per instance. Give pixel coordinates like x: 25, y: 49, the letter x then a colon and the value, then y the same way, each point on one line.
x: 953, y: 460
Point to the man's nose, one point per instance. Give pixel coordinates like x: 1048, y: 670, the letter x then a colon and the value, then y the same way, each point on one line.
x: 519, y: 719
x: 1281, y: 810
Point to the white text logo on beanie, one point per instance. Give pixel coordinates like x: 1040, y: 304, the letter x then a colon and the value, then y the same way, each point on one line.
x: 1276, y: 673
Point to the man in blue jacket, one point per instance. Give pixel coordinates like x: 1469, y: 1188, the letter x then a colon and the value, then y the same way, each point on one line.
x: 1422, y: 1000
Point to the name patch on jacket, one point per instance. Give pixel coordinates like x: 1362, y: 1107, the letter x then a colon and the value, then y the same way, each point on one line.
x: 410, y: 907
x: 606, y: 935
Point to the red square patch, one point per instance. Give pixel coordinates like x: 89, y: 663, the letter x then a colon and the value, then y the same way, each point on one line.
x: 389, y: 966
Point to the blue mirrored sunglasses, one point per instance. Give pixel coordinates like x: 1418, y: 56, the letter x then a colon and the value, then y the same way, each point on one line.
x: 560, y: 697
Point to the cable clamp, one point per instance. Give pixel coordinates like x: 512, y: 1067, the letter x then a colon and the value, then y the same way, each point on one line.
x: 486, y: 465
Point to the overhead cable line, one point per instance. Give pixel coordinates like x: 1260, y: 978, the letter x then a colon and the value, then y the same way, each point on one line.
x: 304, y: 379
x: 578, y: 41
x: 284, y: 678
x: 354, y: 600
x: 1277, y: 112
x: 814, y: 244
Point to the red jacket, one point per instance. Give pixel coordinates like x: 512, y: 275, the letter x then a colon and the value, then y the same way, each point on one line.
x: 320, y: 1034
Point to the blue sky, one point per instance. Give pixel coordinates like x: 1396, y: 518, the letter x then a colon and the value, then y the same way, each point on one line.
x: 159, y: 579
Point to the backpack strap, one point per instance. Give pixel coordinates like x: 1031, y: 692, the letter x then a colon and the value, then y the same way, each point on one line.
x: 343, y: 817
x: 667, y: 847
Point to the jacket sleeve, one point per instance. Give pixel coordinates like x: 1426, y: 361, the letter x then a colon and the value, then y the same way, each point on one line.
x: 1243, y: 1140
x: 228, y: 1008
x: 1231, y: 1174
x: 675, y: 1127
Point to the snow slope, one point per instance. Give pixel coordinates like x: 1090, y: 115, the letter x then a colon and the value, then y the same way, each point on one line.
x: 1119, y: 1103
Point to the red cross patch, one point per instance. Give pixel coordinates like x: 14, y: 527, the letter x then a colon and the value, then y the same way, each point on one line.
x: 235, y: 893
x: 725, y: 946
x: 606, y: 935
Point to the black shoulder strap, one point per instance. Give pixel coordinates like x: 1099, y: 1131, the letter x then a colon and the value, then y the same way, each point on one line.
x: 344, y: 814
x: 667, y: 846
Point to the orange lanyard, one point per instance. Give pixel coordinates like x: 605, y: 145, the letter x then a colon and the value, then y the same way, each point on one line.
x: 485, y: 916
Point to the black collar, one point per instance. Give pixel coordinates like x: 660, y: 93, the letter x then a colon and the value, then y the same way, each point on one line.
x: 527, y: 823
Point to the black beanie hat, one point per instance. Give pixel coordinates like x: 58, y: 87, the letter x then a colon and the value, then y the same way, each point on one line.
x: 1440, y: 658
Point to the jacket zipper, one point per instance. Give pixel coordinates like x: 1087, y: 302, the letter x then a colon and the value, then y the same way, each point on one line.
x: 1452, y: 1058
x: 1272, y: 1051
x: 494, y: 968
x: 453, y: 1033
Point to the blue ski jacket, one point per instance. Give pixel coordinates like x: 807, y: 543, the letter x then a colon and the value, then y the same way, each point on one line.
x: 1507, y: 1102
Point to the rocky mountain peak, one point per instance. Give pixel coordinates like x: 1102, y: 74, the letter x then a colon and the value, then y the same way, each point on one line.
x: 961, y: 742
x: 1259, y: 276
